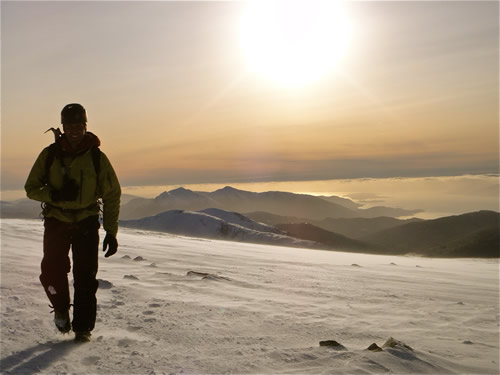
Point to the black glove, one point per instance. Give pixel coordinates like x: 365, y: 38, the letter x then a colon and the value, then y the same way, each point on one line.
x: 110, y: 240
x: 69, y: 192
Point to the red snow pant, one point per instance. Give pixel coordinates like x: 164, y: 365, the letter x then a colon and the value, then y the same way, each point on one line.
x: 83, y: 238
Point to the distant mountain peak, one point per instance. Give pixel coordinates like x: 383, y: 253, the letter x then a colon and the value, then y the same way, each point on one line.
x: 163, y: 195
x: 180, y: 190
x: 228, y: 189
x: 177, y: 193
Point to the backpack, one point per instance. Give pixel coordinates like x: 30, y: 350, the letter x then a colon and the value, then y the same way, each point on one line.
x: 54, y: 152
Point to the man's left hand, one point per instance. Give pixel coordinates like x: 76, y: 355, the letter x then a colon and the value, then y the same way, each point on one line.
x: 110, y: 240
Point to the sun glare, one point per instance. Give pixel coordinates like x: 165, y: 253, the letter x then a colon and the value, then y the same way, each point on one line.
x: 294, y: 43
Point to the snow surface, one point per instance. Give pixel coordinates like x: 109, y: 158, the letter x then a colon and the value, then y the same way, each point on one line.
x: 171, y: 304
x: 241, y: 220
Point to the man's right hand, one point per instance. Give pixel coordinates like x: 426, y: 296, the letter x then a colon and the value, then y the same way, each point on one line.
x: 69, y: 192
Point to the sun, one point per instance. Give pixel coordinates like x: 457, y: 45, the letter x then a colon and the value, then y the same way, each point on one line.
x: 294, y: 43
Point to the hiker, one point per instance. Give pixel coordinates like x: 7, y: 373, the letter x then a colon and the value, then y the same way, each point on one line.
x: 69, y: 177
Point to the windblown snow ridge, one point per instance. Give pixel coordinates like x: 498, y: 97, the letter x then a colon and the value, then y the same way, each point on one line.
x: 216, y: 224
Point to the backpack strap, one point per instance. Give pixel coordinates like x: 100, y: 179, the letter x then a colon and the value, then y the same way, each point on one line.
x: 96, y: 159
x: 48, y: 162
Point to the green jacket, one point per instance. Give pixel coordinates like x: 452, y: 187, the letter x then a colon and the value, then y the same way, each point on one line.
x: 79, y: 167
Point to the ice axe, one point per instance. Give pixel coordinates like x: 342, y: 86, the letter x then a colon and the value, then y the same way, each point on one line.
x: 57, y: 133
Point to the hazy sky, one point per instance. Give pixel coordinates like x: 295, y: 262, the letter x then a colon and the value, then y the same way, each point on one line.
x: 187, y: 93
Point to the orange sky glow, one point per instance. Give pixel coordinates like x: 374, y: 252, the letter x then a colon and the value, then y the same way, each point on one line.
x: 412, y: 89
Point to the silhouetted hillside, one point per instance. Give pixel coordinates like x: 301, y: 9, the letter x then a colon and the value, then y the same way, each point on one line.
x: 281, y: 203
x: 331, y: 240
x: 178, y: 199
x: 357, y: 228
x: 272, y: 219
x: 379, y: 211
x: 483, y: 243
x: 230, y: 199
x: 347, y: 203
x: 468, y: 235
x: 20, y: 209
x: 125, y: 198
x: 354, y: 228
x: 371, y: 212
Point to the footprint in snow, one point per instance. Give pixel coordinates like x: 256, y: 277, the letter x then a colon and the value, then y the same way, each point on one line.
x: 123, y: 343
x: 133, y: 328
x: 91, y: 360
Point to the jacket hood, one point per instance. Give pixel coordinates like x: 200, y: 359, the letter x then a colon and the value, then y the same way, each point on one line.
x: 89, y: 140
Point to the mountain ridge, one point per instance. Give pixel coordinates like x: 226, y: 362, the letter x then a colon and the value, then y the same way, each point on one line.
x: 444, y: 236
x: 204, y: 225
x: 235, y: 200
x: 354, y: 228
x: 331, y: 240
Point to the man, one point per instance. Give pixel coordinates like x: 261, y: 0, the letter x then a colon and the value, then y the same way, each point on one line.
x: 69, y: 177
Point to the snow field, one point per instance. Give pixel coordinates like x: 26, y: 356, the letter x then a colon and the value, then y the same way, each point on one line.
x: 171, y: 304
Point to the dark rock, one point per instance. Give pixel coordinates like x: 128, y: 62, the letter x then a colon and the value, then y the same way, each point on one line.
x: 104, y: 284
x: 392, y: 342
x: 216, y: 278
x: 207, y: 276
x: 375, y: 348
x: 332, y: 344
x: 198, y: 274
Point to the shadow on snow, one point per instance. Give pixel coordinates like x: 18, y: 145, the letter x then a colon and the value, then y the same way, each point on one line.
x: 36, y: 358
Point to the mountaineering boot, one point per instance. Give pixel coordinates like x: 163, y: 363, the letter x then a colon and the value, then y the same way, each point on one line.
x: 83, y: 336
x: 61, y: 320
